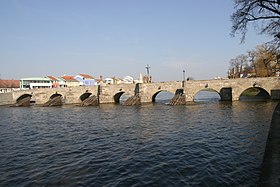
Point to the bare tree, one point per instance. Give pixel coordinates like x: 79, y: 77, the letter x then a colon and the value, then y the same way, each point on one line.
x: 262, y: 13
x: 265, y: 60
x: 238, y: 66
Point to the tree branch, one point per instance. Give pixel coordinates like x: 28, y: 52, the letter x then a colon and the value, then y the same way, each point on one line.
x: 276, y: 11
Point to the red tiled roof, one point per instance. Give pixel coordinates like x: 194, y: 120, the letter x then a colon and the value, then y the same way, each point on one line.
x: 69, y: 78
x: 9, y: 84
x: 52, y: 78
x: 86, y: 76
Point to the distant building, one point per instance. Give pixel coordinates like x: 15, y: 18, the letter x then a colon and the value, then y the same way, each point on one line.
x: 109, y: 81
x: 61, y: 82
x: 128, y: 80
x: 70, y: 81
x: 117, y: 80
x: 9, y: 85
x: 54, y: 81
x: 35, y: 82
x: 114, y: 80
x: 85, y: 80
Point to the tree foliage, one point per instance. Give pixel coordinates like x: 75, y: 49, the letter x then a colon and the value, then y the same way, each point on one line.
x: 263, y: 61
x: 266, y: 61
x: 264, y: 14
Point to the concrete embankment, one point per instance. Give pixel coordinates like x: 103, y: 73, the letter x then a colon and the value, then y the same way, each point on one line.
x: 270, y: 172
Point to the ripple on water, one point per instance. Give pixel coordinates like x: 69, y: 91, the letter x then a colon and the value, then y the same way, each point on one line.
x: 213, y: 144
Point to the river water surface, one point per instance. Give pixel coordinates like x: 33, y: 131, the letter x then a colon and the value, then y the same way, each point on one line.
x: 202, y: 144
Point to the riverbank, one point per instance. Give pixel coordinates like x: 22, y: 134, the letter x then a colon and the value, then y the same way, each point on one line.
x: 270, y: 172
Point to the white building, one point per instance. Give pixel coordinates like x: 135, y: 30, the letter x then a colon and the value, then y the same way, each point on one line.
x: 109, y: 81
x: 35, y: 82
x: 128, y: 80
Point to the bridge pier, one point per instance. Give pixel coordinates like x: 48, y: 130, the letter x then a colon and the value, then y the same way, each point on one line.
x: 226, y: 94
x: 189, y: 97
x: 275, y: 94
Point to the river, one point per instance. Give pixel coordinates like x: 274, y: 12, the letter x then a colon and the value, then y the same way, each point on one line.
x: 199, y: 144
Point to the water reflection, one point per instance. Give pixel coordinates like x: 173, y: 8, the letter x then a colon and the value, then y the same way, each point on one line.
x: 254, y: 94
x: 124, y: 97
x: 207, y: 96
x: 164, y: 97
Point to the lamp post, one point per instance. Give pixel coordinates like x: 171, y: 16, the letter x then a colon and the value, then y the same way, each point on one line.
x: 184, y: 78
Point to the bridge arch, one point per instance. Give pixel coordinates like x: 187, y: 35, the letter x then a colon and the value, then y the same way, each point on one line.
x: 117, y: 96
x: 23, y: 97
x: 207, y: 94
x: 55, y: 95
x: 166, y: 95
x: 85, y: 96
x: 254, y: 93
x: 155, y: 95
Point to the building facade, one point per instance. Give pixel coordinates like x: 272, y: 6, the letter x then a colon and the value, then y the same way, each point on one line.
x: 9, y: 85
x: 35, y: 82
x: 54, y: 81
x: 85, y: 80
x: 70, y: 81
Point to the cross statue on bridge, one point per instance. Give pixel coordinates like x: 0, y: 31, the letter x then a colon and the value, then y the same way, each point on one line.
x: 148, y: 69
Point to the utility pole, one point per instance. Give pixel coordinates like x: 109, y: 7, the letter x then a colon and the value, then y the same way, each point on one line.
x: 184, y: 78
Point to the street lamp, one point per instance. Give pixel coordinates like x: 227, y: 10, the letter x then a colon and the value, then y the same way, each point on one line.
x: 184, y: 78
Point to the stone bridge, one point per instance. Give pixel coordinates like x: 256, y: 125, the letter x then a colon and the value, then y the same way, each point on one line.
x: 229, y: 90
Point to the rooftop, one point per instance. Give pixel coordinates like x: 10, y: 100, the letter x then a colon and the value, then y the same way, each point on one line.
x: 52, y: 78
x: 35, y: 79
x: 86, y: 76
x: 69, y: 78
x: 9, y: 83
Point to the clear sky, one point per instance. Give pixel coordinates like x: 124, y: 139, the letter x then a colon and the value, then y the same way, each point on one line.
x: 119, y: 38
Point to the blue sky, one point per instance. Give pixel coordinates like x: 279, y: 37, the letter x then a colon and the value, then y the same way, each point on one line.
x: 119, y: 38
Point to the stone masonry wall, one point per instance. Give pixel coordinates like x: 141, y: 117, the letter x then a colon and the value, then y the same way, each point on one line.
x: 6, y: 98
x: 146, y: 91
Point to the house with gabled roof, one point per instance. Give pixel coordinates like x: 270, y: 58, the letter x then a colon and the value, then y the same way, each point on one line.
x: 85, y: 80
x: 70, y: 81
x: 54, y: 81
x: 61, y: 82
